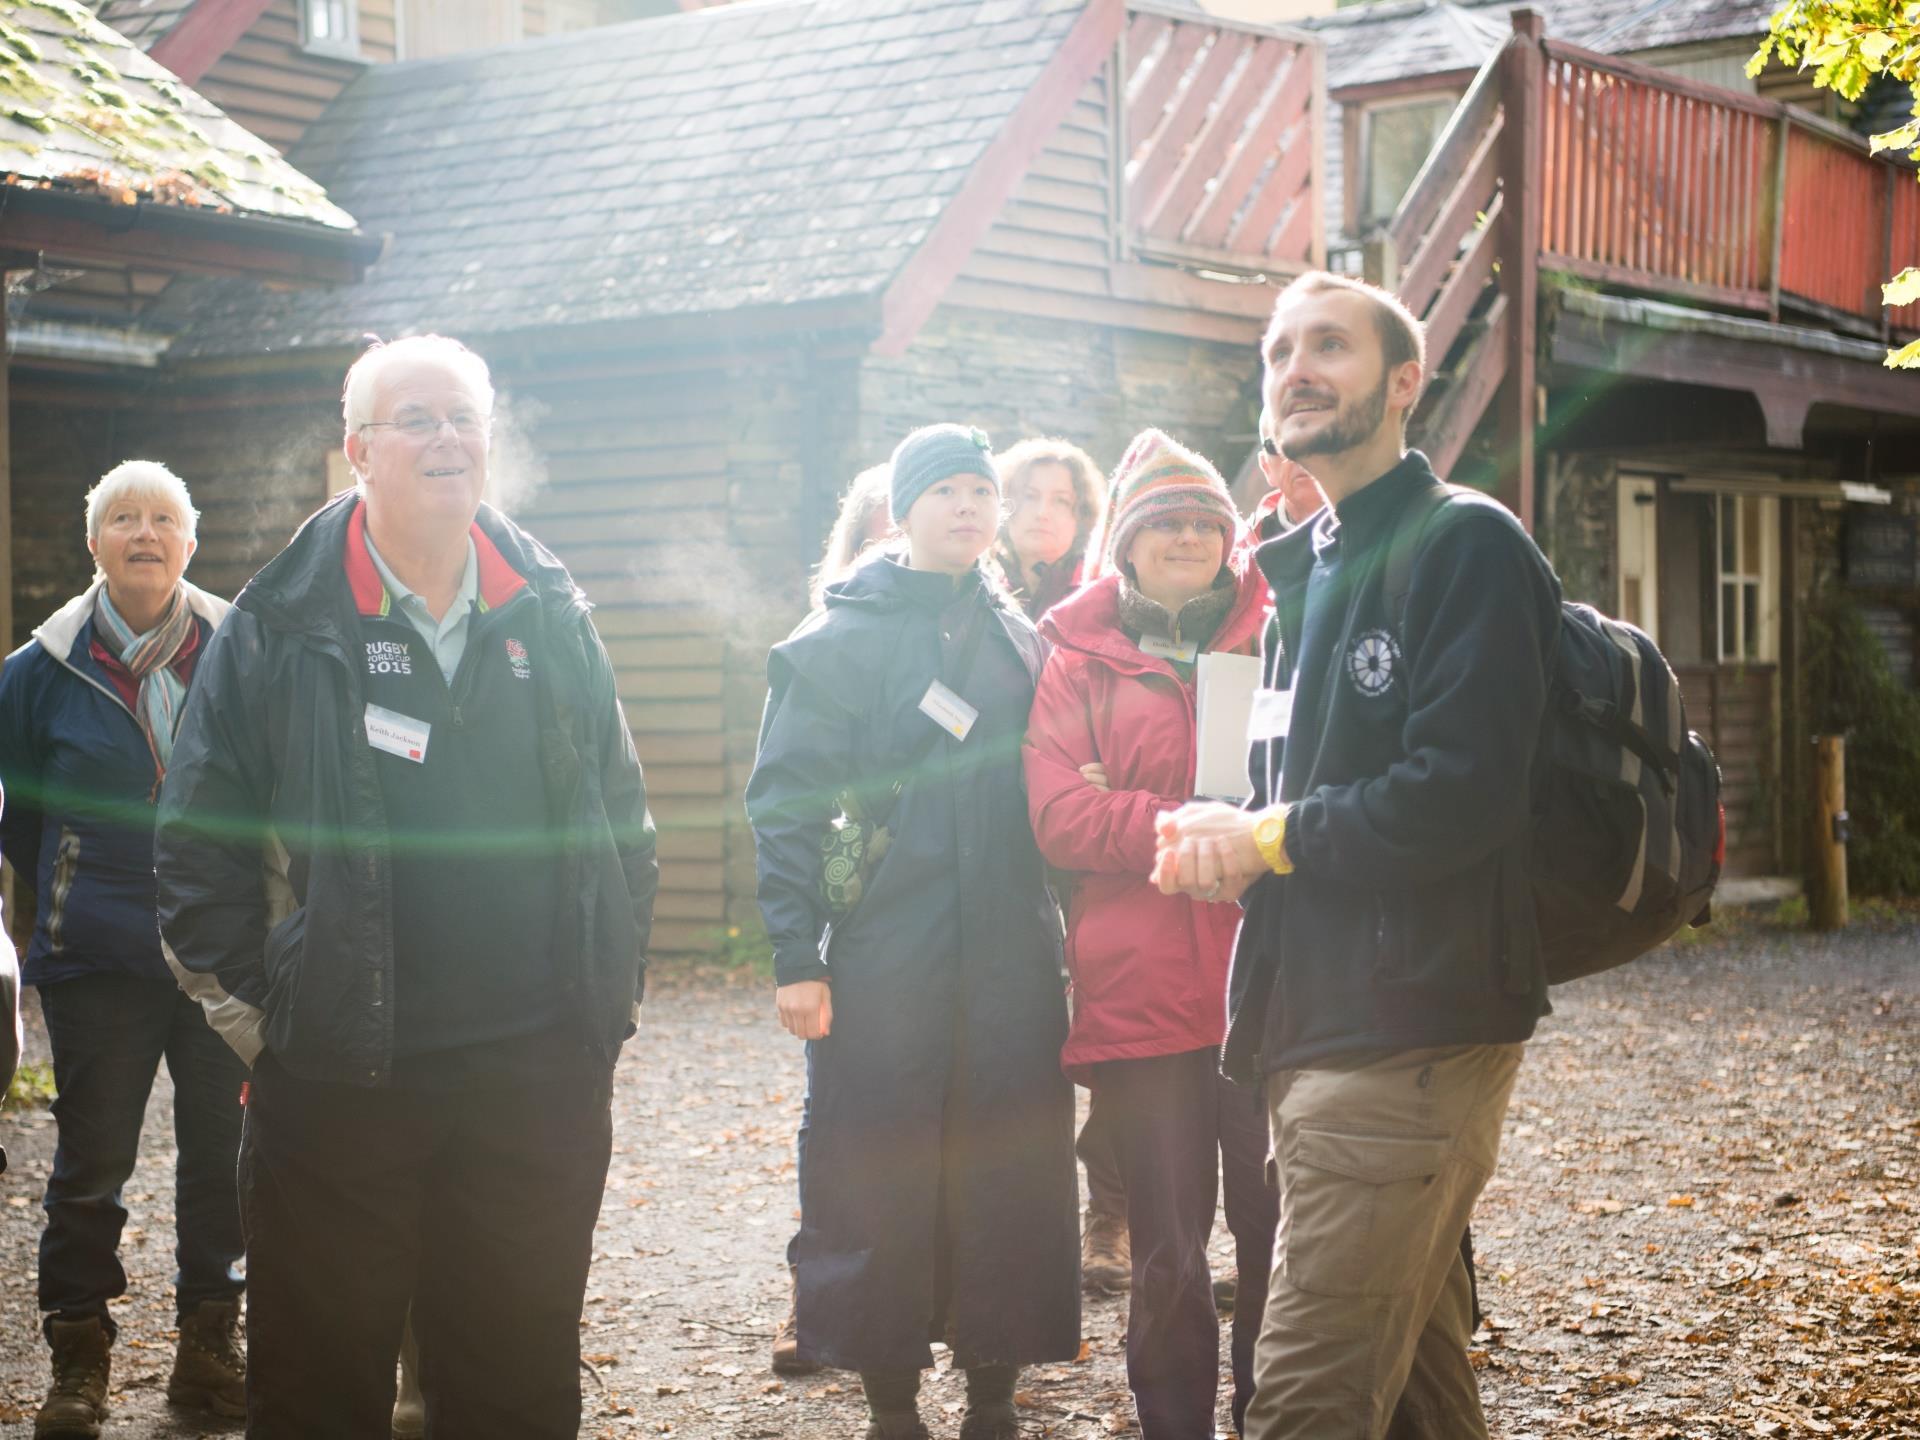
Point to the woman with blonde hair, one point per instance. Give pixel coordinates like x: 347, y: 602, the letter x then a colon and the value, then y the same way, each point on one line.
x: 862, y: 523
x: 1056, y: 501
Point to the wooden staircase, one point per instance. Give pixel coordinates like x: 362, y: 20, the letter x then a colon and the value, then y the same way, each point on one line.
x: 1563, y: 162
x: 1455, y: 252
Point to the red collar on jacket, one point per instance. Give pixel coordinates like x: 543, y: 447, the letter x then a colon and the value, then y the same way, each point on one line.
x: 499, y: 581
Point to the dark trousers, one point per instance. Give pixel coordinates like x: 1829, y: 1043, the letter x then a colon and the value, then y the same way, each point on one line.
x: 1095, y: 1147
x: 109, y: 1033
x: 1182, y: 1134
x: 476, y: 1205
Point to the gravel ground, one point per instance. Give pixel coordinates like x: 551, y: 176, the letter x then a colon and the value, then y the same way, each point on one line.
x: 1703, y: 1223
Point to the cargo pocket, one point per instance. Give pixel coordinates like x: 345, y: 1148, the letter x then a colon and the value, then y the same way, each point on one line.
x: 1363, y: 1210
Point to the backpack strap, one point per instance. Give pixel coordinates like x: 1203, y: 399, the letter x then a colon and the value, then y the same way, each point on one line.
x: 1403, y: 548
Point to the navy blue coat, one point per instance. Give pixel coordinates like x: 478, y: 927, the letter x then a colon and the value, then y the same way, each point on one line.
x: 1407, y: 921
x: 78, y: 819
x: 938, y: 1195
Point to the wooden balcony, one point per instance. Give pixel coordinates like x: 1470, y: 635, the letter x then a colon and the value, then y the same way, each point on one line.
x: 1637, y: 180
x: 1657, y: 183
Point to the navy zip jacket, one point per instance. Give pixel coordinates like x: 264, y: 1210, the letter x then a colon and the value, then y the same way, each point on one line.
x: 1407, y: 922
x: 77, y: 826
x: 275, y: 842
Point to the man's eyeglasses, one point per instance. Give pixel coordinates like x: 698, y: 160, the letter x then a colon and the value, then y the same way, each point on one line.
x: 1266, y: 444
x: 425, y: 427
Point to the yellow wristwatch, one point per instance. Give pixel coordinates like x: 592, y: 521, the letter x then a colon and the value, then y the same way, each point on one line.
x: 1270, y: 835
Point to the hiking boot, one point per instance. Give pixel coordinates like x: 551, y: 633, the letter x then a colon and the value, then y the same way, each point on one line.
x: 409, y: 1406
x: 209, y: 1367
x: 1106, y: 1256
x: 77, y: 1400
x: 993, y: 1425
x: 786, y: 1340
x: 1225, y: 1289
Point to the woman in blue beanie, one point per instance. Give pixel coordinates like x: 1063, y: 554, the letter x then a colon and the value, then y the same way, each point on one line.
x: 937, y: 1188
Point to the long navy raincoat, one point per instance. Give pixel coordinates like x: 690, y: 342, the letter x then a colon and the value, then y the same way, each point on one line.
x: 938, y: 1195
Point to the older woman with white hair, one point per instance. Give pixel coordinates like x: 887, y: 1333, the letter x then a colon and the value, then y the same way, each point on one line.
x: 88, y: 708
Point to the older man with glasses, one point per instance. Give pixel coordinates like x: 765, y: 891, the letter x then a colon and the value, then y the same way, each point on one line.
x: 410, y: 705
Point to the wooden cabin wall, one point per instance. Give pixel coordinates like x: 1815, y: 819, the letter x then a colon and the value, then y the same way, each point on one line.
x: 1092, y: 384
x: 254, y: 474
x: 271, y: 84
x: 689, y: 503
x: 1056, y: 233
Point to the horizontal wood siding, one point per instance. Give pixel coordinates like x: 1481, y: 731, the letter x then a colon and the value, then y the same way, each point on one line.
x: 275, y: 87
x: 1055, y: 234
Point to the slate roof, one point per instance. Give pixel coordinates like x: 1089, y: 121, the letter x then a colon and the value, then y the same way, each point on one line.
x: 81, y: 109
x: 142, y: 22
x: 760, y: 153
x: 1399, y: 39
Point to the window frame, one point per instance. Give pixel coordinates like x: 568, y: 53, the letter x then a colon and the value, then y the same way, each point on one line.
x: 1362, y: 188
x: 1731, y: 641
x: 347, y: 47
x: 1637, y: 521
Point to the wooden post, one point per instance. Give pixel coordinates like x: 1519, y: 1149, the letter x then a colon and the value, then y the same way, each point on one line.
x: 1777, y: 210
x: 1522, y: 84
x: 1829, y: 868
x: 1380, y: 263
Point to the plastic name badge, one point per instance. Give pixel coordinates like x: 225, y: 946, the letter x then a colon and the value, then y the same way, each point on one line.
x: 948, y: 711
x: 397, y: 734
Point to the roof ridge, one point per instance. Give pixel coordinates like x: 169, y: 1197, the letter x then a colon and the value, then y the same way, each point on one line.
x: 1626, y: 22
x: 710, y: 15
x: 1350, y: 16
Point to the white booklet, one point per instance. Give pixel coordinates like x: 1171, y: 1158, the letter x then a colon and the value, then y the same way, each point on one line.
x: 1224, y: 686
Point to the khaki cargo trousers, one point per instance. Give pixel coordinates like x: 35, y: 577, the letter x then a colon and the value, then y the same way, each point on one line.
x: 1380, y: 1159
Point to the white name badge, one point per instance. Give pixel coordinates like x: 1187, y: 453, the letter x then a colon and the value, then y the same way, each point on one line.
x: 948, y: 711
x: 397, y: 734
x: 1162, y: 648
x: 1272, y: 715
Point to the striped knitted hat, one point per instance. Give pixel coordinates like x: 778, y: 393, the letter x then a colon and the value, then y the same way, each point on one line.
x: 1159, y: 479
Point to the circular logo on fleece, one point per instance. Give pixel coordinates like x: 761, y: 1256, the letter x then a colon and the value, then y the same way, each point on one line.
x: 1372, y: 662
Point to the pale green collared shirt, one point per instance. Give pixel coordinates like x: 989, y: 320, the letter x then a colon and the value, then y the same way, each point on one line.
x: 447, y: 636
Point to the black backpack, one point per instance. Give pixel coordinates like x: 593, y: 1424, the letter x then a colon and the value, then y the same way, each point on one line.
x: 1628, y: 831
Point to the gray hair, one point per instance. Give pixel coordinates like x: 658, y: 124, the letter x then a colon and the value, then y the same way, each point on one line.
x: 363, y: 379
x: 139, y: 477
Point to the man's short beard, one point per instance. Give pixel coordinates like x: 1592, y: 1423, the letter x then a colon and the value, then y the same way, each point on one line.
x: 1348, y: 430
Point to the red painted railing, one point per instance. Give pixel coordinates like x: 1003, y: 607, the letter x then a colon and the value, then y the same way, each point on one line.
x: 1656, y: 182
x: 1221, y: 139
x: 1905, y: 243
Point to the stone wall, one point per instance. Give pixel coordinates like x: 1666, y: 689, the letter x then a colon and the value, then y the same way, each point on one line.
x: 1016, y: 377
x: 1579, y: 518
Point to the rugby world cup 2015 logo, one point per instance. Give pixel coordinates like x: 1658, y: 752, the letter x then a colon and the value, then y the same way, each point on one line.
x: 1373, y: 662
x: 517, y: 657
x: 388, y: 657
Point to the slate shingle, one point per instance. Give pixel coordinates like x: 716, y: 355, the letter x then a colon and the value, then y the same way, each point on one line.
x: 633, y: 147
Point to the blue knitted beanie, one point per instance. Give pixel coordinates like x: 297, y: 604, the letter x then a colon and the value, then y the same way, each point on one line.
x: 934, y: 453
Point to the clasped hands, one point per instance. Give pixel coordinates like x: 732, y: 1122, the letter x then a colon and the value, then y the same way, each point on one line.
x: 1206, y: 849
